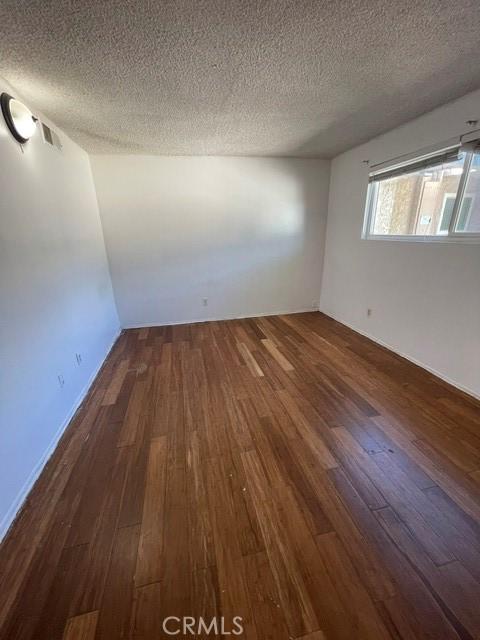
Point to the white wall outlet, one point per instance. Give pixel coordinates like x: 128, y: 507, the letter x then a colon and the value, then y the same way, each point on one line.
x: 78, y: 357
x: 205, y: 301
x: 61, y: 380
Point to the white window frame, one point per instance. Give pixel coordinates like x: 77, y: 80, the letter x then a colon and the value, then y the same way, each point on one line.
x: 442, y: 212
x: 451, y: 235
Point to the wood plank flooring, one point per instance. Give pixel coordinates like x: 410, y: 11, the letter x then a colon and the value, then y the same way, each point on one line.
x: 284, y: 470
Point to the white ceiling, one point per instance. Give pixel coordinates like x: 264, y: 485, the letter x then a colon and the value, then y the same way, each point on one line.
x: 237, y: 77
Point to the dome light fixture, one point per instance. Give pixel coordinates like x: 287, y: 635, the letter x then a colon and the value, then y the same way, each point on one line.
x: 20, y: 121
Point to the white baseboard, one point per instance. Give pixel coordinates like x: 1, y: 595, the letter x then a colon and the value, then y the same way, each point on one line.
x: 436, y: 373
x: 17, y: 504
x: 261, y: 314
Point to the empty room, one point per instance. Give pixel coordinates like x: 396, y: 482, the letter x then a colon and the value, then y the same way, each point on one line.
x: 240, y: 320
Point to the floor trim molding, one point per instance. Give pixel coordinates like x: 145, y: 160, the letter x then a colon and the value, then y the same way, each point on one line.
x: 9, y: 517
x: 220, y: 319
x: 411, y: 359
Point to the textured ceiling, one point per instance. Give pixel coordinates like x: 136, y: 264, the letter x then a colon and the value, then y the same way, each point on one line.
x: 237, y: 77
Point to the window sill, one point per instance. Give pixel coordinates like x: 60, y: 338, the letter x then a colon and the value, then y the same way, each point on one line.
x: 462, y: 239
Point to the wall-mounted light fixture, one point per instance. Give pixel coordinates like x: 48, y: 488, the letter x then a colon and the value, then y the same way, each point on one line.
x: 20, y: 121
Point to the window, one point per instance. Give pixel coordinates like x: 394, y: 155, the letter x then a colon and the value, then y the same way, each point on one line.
x: 429, y: 197
x: 469, y: 223
x: 447, y: 211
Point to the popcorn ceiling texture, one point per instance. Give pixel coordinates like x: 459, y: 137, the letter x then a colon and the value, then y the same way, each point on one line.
x: 238, y: 77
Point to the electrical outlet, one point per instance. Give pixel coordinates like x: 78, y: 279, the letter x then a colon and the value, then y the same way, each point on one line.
x: 61, y: 380
x: 78, y: 357
x: 205, y: 301
x: 369, y: 312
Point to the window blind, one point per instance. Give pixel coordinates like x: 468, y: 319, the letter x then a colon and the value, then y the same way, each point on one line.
x: 448, y: 155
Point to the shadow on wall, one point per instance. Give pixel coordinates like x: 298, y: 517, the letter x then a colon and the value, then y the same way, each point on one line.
x: 245, y: 233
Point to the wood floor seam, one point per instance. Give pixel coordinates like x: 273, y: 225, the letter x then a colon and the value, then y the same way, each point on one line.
x: 284, y: 470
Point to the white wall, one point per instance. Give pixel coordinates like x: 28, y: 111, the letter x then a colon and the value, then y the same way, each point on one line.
x: 246, y: 233
x: 56, y: 301
x: 425, y: 298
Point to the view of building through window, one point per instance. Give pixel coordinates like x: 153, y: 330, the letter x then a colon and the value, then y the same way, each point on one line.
x: 470, y: 222
x: 421, y: 202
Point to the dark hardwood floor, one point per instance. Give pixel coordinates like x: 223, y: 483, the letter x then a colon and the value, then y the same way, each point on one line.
x: 285, y: 470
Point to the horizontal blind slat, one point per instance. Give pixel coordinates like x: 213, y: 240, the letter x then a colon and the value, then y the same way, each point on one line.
x: 426, y: 163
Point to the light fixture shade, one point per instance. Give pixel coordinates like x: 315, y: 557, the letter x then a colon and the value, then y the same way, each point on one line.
x: 18, y: 117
